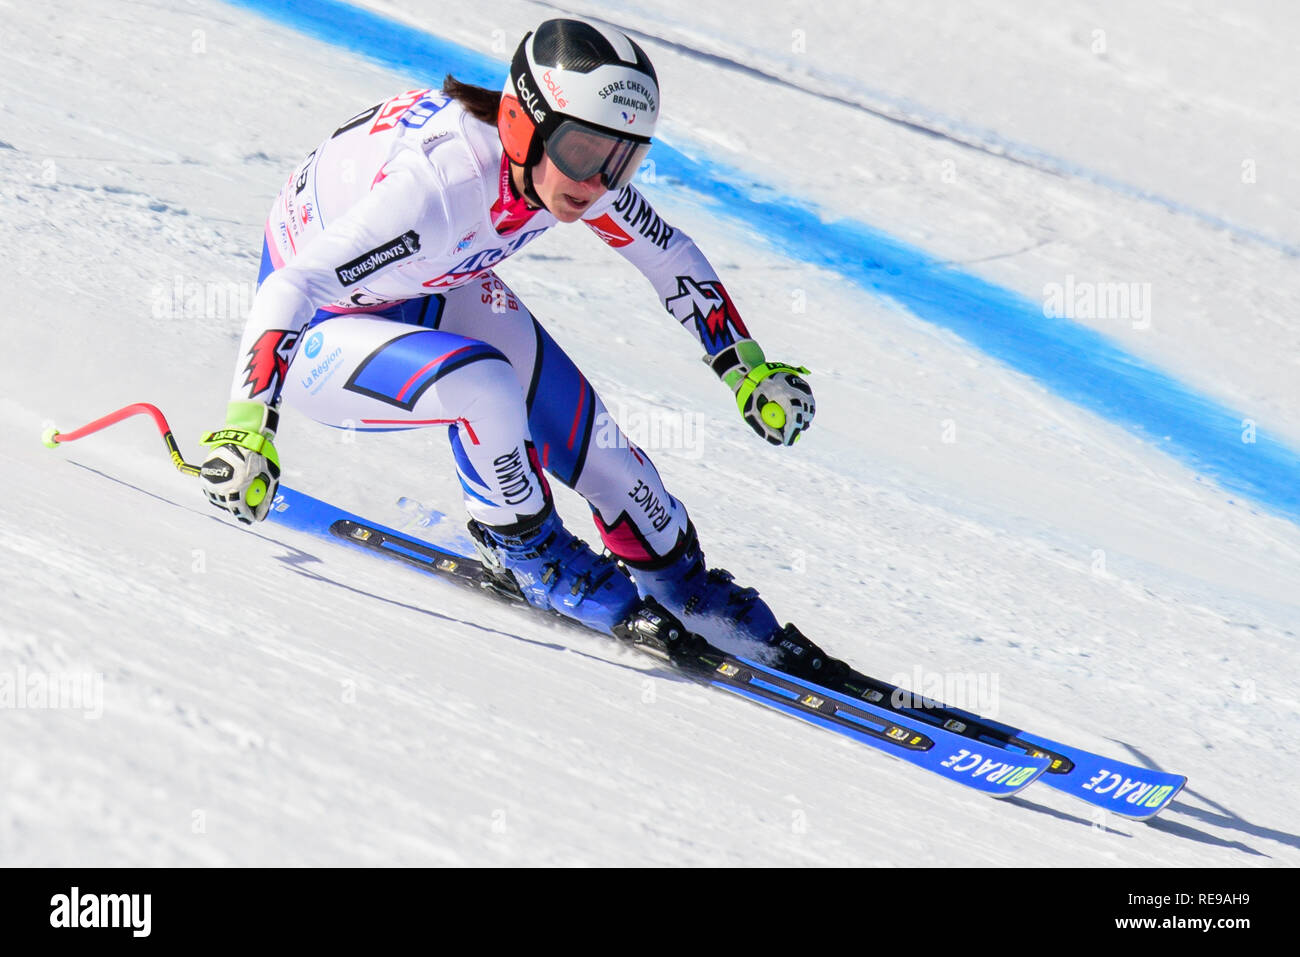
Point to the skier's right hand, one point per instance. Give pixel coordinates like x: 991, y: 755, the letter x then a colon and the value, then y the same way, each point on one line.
x: 242, y: 470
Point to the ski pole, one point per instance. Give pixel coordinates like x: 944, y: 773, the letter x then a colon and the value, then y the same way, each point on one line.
x: 53, y: 437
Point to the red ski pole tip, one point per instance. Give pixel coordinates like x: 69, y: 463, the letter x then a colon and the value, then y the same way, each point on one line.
x: 49, y: 437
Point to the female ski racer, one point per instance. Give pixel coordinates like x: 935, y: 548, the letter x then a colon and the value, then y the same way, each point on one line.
x: 379, y: 307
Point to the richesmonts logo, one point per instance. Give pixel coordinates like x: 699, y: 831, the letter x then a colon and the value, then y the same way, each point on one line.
x: 351, y: 273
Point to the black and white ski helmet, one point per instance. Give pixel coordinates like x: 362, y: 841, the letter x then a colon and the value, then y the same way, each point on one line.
x: 587, y: 95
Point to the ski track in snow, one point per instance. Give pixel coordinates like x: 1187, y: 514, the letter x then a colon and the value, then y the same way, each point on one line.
x: 271, y: 698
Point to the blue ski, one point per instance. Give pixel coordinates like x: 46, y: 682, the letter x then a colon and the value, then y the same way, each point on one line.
x: 988, y: 769
x: 1118, y: 786
x: 965, y: 739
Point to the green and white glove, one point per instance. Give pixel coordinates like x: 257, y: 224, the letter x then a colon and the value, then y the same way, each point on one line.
x: 243, y: 469
x: 772, y: 396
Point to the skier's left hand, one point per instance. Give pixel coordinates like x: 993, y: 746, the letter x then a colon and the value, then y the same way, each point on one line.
x: 773, y: 397
x: 777, y: 402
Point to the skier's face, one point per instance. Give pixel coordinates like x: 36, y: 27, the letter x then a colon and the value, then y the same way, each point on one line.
x: 567, y: 199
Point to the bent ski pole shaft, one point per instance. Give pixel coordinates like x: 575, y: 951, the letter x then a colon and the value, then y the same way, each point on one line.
x: 53, y: 437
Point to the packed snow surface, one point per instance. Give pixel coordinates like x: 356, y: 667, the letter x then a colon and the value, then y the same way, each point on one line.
x: 231, y: 695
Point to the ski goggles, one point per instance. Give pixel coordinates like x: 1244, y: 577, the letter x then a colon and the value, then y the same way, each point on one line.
x: 580, y: 152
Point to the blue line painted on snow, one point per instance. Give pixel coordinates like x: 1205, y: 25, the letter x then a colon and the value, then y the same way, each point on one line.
x: 1073, y: 361
x: 850, y: 92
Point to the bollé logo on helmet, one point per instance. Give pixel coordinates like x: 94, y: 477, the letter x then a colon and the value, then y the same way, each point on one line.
x: 530, y: 98
x: 554, y: 87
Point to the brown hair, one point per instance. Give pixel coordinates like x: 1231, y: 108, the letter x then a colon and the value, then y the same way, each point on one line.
x: 479, y: 102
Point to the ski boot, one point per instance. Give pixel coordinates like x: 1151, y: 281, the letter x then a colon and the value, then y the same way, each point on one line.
x: 707, y: 600
x: 555, y: 571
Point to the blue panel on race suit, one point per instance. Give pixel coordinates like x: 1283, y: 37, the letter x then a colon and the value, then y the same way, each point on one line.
x: 561, y: 410
x: 400, y: 370
x: 463, y: 463
x: 476, y: 495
